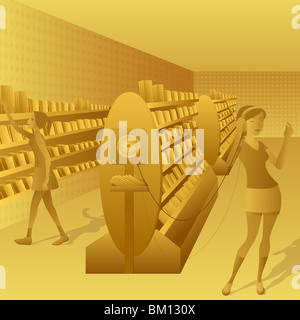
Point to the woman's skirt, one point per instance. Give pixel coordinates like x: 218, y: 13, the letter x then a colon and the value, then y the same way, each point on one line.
x: 39, y: 176
x: 262, y: 201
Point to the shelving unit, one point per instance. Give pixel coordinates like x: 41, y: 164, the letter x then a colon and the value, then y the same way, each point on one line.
x: 69, y: 137
x: 75, y: 162
x: 171, y: 215
x: 217, y: 118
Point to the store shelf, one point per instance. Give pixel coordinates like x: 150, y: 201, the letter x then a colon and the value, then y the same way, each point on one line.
x: 168, y: 167
x: 168, y: 104
x: 167, y: 146
x: 5, y: 149
x: 222, y: 110
x: 219, y: 101
x: 80, y: 133
x: 29, y: 191
x: 223, y: 153
x: 74, y: 157
x: 22, y: 118
x: 214, y: 112
x: 163, y: 187
x: 14, y: 173
x: 175, y: 122
x: 221, y: 166
x: 228, y: 124
x: 231, y: 133
x: 225, y: 117
x: 87, y: 155
x: 227, y: 135
x: 69, y: 137
x: 177, y: 213
x: 169, y: 193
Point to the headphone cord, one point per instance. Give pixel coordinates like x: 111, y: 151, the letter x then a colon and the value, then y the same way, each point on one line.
x: 209, y: 202
x: 222, y: 220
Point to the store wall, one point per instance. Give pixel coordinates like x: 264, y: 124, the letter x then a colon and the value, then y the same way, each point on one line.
x: 277, y: 92
x: 55, y: 60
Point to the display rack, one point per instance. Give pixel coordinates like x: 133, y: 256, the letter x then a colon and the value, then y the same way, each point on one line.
x: 167, y: 219
x: 71, y: 144
x: 216, y: 115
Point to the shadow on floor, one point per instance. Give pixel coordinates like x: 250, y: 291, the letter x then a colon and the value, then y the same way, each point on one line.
x: 95, y: 224
x: 282, y: 270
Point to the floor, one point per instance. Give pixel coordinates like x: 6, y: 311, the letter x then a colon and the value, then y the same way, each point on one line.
x: 43, y: 271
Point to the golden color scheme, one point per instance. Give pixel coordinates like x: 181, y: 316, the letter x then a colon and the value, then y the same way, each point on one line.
x: 231, y: 35
x: 140, y: 225
x: 276, y: 92
x: 263, y: 196
x: 56, y: 60
x: 68, y: 130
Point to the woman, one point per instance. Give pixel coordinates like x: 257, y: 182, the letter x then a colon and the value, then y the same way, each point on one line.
x: 43, y: 179
x: 263, y: 197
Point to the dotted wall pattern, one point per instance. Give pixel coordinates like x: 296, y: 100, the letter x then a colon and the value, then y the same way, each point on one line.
x: 277, y: 92
x: 55, y: 60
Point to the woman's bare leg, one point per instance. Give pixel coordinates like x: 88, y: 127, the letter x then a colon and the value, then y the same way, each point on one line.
x: 36, y: 200
x: 264, y: 249
x: 53, y: 213
x: 253, y: 223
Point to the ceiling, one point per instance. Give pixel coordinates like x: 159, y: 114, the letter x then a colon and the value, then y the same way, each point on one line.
x: 200, y: 35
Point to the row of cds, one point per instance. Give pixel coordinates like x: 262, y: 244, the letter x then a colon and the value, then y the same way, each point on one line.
x: 23, y: 184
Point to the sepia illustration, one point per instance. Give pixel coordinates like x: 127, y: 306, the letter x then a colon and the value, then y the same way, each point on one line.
x: 149, y: 150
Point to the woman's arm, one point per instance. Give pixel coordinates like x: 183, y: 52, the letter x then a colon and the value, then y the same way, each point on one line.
x: 43, y: 148
x: 279, y: 161
x: 25, y: 133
